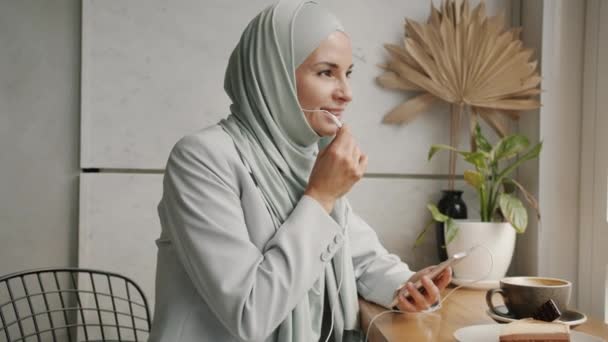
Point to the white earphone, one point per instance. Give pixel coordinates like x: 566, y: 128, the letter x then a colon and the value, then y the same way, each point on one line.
x: 330, y: 115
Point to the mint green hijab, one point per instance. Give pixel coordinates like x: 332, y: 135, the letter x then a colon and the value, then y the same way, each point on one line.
x: 276, y: 142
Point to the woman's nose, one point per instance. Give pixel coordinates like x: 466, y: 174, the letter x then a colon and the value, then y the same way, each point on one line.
x: 344, y: 92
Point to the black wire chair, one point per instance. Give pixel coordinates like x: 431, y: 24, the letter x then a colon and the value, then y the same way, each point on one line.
x: 72, y: 304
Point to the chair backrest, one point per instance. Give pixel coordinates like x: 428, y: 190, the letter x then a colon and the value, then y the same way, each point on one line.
x: 72, y: 304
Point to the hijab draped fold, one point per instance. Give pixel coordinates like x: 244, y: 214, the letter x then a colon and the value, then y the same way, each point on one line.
x: 276, y: 142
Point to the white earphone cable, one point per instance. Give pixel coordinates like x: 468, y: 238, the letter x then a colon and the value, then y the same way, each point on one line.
x: 329, y: 114
x: 331, y: 326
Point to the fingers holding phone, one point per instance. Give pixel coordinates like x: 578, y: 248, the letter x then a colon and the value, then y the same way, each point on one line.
x: 420, y: 292
x: 418, y: 299
x: 443, y: 279
x: 406, y: 303
x: 421, y: 295
x: 424, y: 297
x: 423, y: 288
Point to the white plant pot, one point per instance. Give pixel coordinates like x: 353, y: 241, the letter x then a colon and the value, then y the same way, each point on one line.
x: 497, y: 237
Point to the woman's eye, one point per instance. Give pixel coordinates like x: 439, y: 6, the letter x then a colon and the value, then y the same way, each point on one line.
x: 329, y: 73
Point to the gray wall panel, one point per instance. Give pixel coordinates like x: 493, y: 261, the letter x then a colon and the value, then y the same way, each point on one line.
x: 39, y: 131
x: 119, y: 224
x: 153, y: 72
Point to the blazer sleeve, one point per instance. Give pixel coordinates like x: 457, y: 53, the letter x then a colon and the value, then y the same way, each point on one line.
x: 250, y: 291
x: 378, y: 272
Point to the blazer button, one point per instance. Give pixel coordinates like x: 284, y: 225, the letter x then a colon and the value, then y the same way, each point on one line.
x: 338, y: 239
x: 325, y: 255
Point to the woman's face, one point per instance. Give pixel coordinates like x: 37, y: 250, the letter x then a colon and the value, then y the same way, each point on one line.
x: 322, y: 82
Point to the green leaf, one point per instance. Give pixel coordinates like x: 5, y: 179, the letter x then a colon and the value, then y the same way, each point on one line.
x: 474, y: 178
x: 527, y: 195
x: 436, y: 148
x: 477, y: 158
x: 451, y: 230
x: 481, y: 141
x: 531, y: 154
x: 514, y: 211
x: 484, y: 204
x: 420, y: 237
x: 437, y: 215
x: 509, y: 147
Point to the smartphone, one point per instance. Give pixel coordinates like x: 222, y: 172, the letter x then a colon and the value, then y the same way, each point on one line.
x: 433, y: 275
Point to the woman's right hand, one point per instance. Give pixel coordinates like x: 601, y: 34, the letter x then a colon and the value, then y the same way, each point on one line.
x: 338, y: 167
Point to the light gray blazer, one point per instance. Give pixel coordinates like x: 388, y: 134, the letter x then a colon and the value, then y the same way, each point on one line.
x: 223, y: 272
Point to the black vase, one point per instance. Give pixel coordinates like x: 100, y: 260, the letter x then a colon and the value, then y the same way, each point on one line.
x: 452, y: 205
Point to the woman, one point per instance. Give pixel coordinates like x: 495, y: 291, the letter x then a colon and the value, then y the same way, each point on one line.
x: 258, y: 242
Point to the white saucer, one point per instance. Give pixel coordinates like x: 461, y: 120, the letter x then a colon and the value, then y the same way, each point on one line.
x: 491, y: 333
x: 568, y: 317
x: 479, y: 285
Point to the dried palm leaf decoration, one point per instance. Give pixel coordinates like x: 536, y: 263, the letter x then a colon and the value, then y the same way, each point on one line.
x: 462, y: 57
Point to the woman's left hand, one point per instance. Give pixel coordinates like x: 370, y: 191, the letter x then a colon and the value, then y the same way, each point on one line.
x: 424, y: 298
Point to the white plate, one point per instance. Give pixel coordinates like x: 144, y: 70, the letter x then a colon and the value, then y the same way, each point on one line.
x: 491, y: 333
x: 479, y: 285
x: 569, y: 317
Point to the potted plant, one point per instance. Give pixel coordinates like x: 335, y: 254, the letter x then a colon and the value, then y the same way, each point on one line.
x: 502, y: 213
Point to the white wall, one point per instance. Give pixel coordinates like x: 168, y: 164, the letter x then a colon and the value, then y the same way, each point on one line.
x: 560, y: 130
x: 593, y: 255
x: 556, y: 29
x: 526, y: 250
x: 39, y: 133
x: 152, y: 72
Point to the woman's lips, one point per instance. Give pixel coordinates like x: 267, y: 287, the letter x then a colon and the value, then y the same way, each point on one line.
x: 335, y: 111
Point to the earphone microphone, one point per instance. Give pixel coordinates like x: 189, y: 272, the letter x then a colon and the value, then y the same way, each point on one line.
x: 329, y: 114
